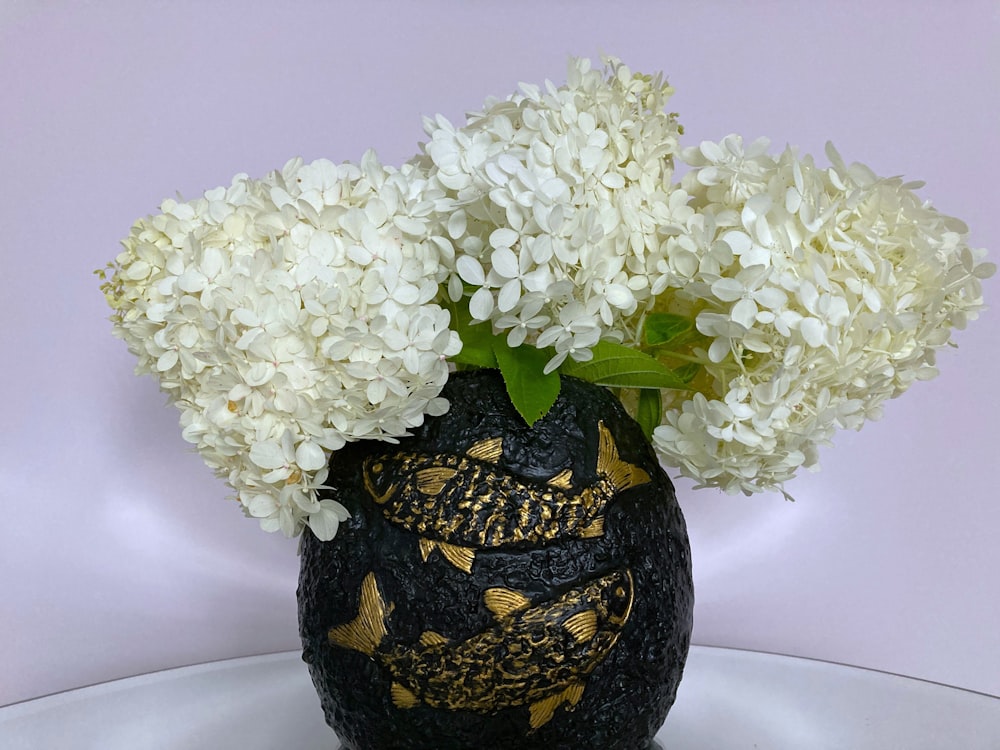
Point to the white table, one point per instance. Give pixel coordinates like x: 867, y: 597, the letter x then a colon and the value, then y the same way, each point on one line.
x: 729, y: 700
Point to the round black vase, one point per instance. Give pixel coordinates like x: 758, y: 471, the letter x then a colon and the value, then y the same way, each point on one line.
x: 548, y: 630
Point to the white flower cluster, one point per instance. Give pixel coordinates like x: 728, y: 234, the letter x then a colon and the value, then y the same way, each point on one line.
x: 289, y: 315
x: 823, y: 292
x: 286, y: 316
x: 560, y: 200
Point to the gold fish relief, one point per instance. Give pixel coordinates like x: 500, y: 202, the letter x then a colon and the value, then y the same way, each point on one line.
x: 537, y: 655
x: 459, y: 504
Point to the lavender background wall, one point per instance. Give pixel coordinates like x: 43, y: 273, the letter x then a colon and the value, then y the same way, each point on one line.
x: 118, y: 553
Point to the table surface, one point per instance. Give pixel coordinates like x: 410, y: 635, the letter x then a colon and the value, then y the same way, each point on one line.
x: 728, y: 700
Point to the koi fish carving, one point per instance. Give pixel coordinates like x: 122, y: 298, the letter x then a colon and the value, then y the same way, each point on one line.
x: 535, y: 655
x: 461, y: 503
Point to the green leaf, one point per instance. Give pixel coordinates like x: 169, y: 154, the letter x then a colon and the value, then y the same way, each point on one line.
x: 477, y: 337
x: 531, y: 392
x: 617, y: 365
x: 649, y: 412
x: 687, y: 372
x: 662, y: 328
x: 477, y: 346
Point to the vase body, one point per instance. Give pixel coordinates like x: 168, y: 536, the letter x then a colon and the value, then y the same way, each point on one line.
x: 500, y: 585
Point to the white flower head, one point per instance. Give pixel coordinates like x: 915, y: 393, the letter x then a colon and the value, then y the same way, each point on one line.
x: 287, y: 316
x: 556, y: 185
x: 826, y: 292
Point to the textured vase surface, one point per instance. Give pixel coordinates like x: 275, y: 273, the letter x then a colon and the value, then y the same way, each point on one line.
x: 500, y: 585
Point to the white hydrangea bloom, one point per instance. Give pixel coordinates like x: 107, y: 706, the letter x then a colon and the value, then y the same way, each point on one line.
x: 560, y: 204
x: 287, y: 316
x: 823, y: 292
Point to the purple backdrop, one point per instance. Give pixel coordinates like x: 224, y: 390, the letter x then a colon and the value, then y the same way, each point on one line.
x: 118, y: 553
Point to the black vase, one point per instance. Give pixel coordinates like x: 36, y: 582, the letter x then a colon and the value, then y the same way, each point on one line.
x: 500, y: 585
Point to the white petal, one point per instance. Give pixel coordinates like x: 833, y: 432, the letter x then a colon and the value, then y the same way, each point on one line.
x: 471, y: 270
x: 613, y: 180
x: 309, y: 456
x: 481, y: 304
x: 455, y: 288
x: 262, y: 506
x: 872, y: 298
x: 259, y: 374
x: 619, y: 295
x: 332, y: 506
x: 756, y: 256
x: 770, y: 297
x: 744, y: 312
x: 590, y: 157
x: 505, y: 262
x: 553, y: 363
x: 509, y: 295
x: 406, y: 294
x: 410, y: 226
x: 812, y: 331
x: 324, y: 524
x: 377, y: 391
x: 718, y: 350
x: 739, y: 242
x: 246, y: 317
x: 456, y: 224
x: 728, y: 290
x: 553, y: 188
x: 268, y: 455
x: 503, y: 237
x: 192, y: 280
x: 166, y: 360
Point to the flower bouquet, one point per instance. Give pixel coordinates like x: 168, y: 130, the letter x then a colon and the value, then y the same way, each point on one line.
x: 740, y: 313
